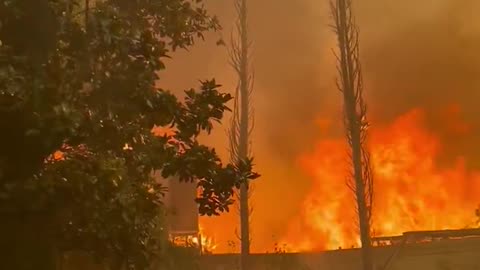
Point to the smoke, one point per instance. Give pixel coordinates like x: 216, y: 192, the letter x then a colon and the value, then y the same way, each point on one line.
x: 414, y: 54
x: 424, y: 56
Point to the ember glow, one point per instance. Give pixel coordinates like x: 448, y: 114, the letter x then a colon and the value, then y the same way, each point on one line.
x: 412, y: 191
x: 207, y: 243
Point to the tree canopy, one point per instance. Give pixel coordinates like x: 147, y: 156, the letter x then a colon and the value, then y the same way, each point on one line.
x: 79, y: 98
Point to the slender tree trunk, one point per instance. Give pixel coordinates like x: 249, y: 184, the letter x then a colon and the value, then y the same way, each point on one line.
x: 242, y: 121
x: 351, y: 86
x: 244, y: 140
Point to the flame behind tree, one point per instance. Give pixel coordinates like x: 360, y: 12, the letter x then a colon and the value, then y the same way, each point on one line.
x: 242, y: 119
x: 351, y: 86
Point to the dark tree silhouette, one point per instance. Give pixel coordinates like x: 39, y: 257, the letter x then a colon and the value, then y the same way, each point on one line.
x: 77, y: 109
x: 355, y: 117
x: 242, y: 120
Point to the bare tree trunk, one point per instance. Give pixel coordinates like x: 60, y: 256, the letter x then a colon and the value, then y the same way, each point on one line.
x: 242, y: 120
x: 351, y: 86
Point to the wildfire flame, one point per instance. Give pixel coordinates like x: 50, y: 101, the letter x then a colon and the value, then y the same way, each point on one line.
x: 412, y: 191
x: 207, y: 243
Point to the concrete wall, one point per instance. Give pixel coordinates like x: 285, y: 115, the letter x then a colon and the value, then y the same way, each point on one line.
x: 442, y: 255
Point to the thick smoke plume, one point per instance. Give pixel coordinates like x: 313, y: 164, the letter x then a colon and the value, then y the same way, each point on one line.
x: 415, y: 54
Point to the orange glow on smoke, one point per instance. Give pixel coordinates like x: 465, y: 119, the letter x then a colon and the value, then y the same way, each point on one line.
x: 412, y: 191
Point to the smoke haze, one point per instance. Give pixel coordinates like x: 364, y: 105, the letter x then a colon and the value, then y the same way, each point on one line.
x: 414, y: 54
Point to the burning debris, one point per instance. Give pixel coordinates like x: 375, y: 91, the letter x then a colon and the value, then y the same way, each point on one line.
x: 204, y: 244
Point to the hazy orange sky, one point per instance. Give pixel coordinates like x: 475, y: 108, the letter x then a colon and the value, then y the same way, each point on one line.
x: 414, y: 53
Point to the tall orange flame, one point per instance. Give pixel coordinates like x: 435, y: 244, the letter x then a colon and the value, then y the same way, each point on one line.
x: 412, y: 191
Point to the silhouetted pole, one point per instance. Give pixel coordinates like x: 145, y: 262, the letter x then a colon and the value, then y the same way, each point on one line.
x: 351, y: 86
x: 242, y: 121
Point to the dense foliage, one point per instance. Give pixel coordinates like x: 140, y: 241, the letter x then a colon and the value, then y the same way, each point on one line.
x: 83, y: 81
